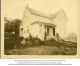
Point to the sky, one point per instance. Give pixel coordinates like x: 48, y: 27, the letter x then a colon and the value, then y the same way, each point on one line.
x: 15, y: 9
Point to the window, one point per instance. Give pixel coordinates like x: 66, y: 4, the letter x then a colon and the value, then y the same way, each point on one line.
x: 54, y: 31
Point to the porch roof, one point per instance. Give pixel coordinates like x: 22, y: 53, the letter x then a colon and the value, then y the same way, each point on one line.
x: 46, y: 24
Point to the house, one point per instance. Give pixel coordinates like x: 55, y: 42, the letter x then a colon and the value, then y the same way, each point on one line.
x: 41, y: 25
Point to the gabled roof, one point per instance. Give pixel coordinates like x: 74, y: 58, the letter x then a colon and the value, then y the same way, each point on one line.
x: 46, y: 24
x: 35, y: 12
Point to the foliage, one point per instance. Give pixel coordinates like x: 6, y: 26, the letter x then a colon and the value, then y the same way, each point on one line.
x: 14, y: 46
x: 12, y: 25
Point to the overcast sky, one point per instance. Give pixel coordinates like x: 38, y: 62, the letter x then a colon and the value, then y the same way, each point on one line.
x: 15, y: 9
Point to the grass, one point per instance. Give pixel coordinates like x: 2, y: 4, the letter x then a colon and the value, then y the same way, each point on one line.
x: 49, y: 47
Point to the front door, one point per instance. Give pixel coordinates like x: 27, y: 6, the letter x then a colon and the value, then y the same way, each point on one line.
x: 49, y: 32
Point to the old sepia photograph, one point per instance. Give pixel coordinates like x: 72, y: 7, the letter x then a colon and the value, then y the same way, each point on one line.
x: 40, y: 27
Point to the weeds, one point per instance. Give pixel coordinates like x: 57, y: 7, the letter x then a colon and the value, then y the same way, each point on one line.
x: 34, y: 46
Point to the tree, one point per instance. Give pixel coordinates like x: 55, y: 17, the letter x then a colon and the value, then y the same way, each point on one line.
x: 12, y: 25
x: 9, y: 25
x: 17, y: 24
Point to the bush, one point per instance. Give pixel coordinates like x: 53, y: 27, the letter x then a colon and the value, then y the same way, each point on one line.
x: 11, y: 42
x: 35, y: 41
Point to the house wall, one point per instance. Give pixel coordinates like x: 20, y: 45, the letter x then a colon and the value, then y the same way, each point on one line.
x: 26, y: 20
x: 61, y: 24
x: 37, y: 31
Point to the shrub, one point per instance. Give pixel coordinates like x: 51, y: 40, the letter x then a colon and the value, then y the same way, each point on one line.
x: 10, y: 42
